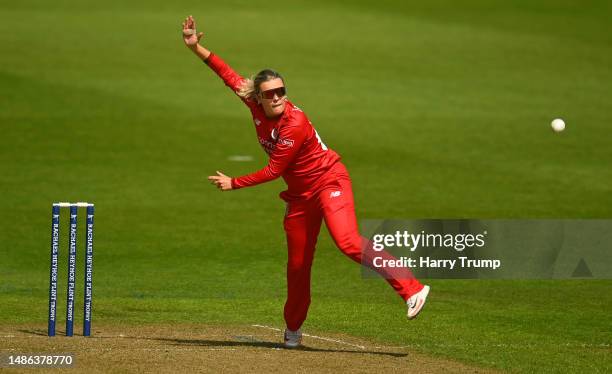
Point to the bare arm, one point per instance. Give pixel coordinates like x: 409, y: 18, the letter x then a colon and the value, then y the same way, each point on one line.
x: 192, y: 39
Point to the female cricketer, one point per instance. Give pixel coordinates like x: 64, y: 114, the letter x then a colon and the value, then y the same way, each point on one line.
x: 318, y: 185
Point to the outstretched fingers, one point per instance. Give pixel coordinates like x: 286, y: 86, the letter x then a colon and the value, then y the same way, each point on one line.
x: 222, y: 181
x: 189, y: 28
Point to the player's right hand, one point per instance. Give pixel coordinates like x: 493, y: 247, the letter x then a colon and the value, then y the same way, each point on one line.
x: 222, y: 181
x: 190, y: 36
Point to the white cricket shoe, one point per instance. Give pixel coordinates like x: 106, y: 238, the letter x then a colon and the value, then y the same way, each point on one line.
x: 293, y: 339
x: 415, y: 302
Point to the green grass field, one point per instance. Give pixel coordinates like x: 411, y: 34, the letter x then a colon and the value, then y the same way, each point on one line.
x: 439, y: 109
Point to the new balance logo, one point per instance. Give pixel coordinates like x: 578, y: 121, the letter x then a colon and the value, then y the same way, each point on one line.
x: 335, y: 194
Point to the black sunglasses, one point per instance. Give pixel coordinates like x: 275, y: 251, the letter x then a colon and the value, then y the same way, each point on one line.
x: 269, y: 94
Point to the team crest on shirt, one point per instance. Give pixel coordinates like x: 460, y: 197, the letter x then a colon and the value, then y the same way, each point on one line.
x: 274, y: 133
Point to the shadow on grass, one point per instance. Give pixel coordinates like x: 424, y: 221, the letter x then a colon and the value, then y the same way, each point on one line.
x: 41, y: 332
x: 239, y: 341
x: 263, y: 344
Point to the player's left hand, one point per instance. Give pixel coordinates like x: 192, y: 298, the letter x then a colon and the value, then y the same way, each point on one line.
x: 222, y: 181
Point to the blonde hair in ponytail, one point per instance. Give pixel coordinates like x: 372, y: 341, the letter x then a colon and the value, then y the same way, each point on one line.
x: 247, y: 90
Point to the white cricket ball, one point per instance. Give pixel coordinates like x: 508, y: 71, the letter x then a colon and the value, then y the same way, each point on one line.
x: 558, y: 125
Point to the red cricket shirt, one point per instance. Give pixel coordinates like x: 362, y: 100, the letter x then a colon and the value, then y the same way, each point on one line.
x: 295, y: 149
